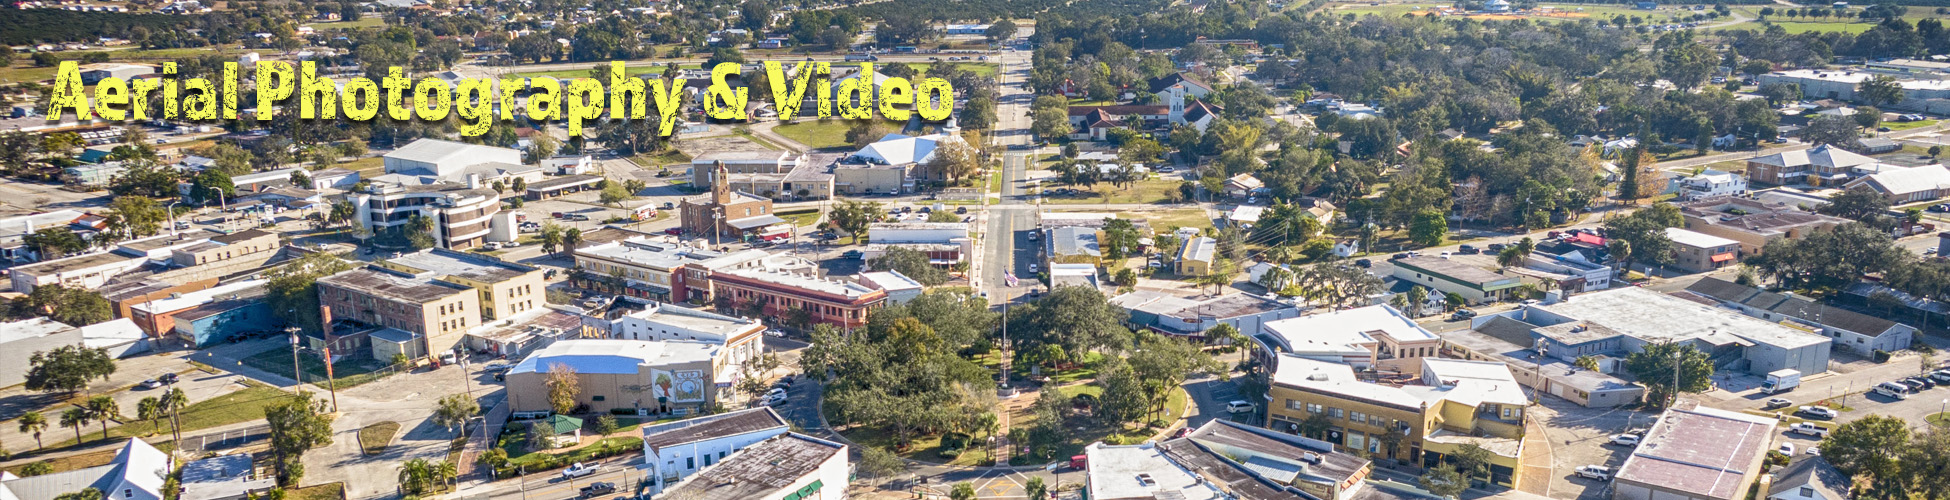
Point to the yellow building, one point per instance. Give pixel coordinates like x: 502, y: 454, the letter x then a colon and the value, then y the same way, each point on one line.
x: 506, y: 288
x: 1459, y: 403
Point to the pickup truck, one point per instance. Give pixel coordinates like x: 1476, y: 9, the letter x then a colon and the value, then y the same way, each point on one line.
x: 1809, y: 429
x: 579, y: 469
x: 598, y: 489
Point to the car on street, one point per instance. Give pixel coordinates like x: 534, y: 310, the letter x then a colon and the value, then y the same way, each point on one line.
x: 1778, y: 403
x: 1240, y: 406
x: 1467, y: 250
x: 579, y: 469
x: 1032, y: 267
x: 1786, y: 449
x: 776, y: 392
x: 167, y: 378
x: 150, y: 384
x: 1817, y: 411
x: 775, y: 333
x: 1462, y: 314
x: 1813, y: 451
x: 1808, y: 429
x: 1625, y: 440
x: 598, y: 489
x: 852, y: 254
x: 1598, y: 472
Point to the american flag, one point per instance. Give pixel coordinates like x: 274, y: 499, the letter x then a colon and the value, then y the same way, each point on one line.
x: 1010, y: 278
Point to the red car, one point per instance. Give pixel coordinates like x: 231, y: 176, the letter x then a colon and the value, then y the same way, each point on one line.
x: 675, y: 231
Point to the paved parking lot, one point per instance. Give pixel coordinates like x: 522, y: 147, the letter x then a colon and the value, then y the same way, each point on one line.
x: 1579, y: 436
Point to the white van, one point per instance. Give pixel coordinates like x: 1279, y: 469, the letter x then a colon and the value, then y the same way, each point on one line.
x: 1892, y: 390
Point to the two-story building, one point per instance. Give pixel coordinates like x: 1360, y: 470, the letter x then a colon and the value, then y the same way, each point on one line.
x: 674, y: 451
x: 1476, y: 285
x: 675, y: 378
x: 1700, y: 252
x: 1706, y: 184
x: 1376, y: 336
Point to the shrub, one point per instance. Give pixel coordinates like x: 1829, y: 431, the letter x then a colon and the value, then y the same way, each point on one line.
x: 1159, y: 424
x: 1922, y: 348
x: 1880, y: 356
x: 950, y: 453
x: 623, y: 411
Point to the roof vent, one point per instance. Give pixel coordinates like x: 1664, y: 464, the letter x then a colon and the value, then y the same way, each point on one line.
x: 1312, y: 458
x: 1317, y: 377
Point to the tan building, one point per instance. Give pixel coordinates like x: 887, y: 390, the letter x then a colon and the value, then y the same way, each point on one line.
x: 225, y: 247
x: 729, y: 215
x: 674, y: 378
x: 1700, y: 252
x: 1460, y: 403
x: 427, y: 315
x: 506, y: 288
x: 1753, y: 223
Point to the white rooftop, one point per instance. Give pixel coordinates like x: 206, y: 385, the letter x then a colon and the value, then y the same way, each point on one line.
x: 1697, y: 239
x: 1345, y: 330
x: 197, y: 298
x: 694, y: 320
x: 1654, y: 316
x: 889, y: 281
x: 1141, y: 471
x: 609, y: 356
x: 1472, y: 382
x: 1337, y: 378
x: 801, y: 281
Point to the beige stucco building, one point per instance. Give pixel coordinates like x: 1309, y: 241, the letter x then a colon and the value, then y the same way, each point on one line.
x: 506, y: 289
x: 676, y: 378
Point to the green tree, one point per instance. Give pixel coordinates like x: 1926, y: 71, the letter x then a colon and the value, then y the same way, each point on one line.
x: 68, y: 368
x: 150, y: 410
x: 962, y: 491
x: 1840, y: 131
x: 1860, y: 203
x: 1654, y: 367
x: 911, y: 263
x: 104, y: 409
x: 75, y: 418
x: 879, y: 462
x: 212, y: 186
x: 563, y: 387
x: 1123, y: 398
x: 89, y: 493
x: 454, y: 410
x: 296, y: 426
x: 1035, y: 488
x: 173, y: 402
x: 614, y: 193
x: 606, y: 425
x: 36, y: 469
x: 1645, y: 231
x: 292, y: 291
x: 854, y: 217
x: 1880, y: 90
x: 1120, y: 236
x: 1925, y: 460
x: 1868, y: 448
x: 33, y: 423
x: 1429, y: 228
x: 1444, y: 481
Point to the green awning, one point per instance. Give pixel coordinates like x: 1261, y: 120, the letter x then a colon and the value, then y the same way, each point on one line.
x: 564, y: 424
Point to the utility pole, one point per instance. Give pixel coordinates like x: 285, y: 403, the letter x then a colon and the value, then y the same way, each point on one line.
x: 297, y: 369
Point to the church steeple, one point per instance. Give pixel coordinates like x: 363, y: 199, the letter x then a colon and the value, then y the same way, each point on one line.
x: 720, y: 183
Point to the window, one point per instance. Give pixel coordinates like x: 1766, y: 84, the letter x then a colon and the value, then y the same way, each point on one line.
x: 1313, y: 408
x: 690, y: 462
x: 1334, y: 412
x: 595, y: 398
x: 1292, y: 405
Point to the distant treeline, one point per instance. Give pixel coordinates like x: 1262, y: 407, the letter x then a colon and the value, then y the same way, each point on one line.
x: 969, y: 10
x: 30, y: 26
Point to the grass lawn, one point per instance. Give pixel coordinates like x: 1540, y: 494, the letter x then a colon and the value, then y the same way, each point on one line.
x: 817, y: 134
x: 27, y: 73
x: 800, y: 217
x: 1184, y: 217
x: 981, y: 69
x: 1084, y: 371
x: 518, y: 454
x: 327, y: 491
x: 921, y: 448
x: 1938, y: 419
x: 666, y: 157
x: 1088, y: 430
x: 1144, y: 191
x: 633, y: 69
x: 243, y: 405
x: 349, y: 373
x: 364, y: 22
x: 748, y: 135
x: 367, y: 167
x: 1909, y: 125
x: 374, y: 438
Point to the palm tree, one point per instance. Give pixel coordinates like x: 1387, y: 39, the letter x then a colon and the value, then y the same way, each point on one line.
x: 445, y: 472
x: 75, y: 418
x: 33, y: 422
x: 1621, y: 252
x: 1231, y: 335
x: 174, y: 401
x: 103, y: 409
x: 571, y: 238
x: 150, y: 410
x: 1417, y: 296
x: 413, y: 475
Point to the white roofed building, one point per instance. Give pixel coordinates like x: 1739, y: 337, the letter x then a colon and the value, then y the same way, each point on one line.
x: 1372, y: 336
x: 674, y: 378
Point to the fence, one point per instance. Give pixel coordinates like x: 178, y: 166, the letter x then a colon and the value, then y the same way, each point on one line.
x: 223, y: 440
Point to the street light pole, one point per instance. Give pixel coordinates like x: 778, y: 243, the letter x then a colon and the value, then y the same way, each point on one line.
x: 297, y: 369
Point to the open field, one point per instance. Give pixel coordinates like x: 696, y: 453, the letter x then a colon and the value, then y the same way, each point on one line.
x: 365, y: 22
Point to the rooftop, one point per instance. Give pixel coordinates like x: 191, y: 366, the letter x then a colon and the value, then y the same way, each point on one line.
x: 760, y: 469
x: 610, y: 356
x: 1790, y: 305
x: 803, y: 282
x: 1698, y: 450
x: 1141, y: 472
x: 1453, y: 269
x: 439, y: 151
x: 889, y: 280
x: 30, y: 328
x: 444, y: 262
x: 1338, y: 380
x: 394, y: 285
x: 90, y: 261
x: 1200, y: 249
x: 712, y: 427
x: 1654, y: 316
x: 1904, y: 182
x: 1345, y: 330
x: 1697, y: 239
x: 647, y: 253
x: 221, y: 477
x: 1472, y: 382
x: 1824, y: 156
x: 694, y: 320
x: 1074, y: 240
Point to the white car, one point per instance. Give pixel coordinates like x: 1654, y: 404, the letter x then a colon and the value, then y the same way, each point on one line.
x: 1813, y: 451
x: 1625, y: 439
x: 1818, y: 411
x: 1598, y: 472
x: 579, y: 469
x: 1786, y: 449
x: 1240, y: 406
x: 776, y: 392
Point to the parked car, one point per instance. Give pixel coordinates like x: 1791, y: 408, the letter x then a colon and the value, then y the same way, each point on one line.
x: 1808, y: 429
x: 1927, y: 383
x: 1495, y: 247
x: 1786, y: 449
x: 1364, y: 263
x: 1778, y: 403
x: 961, y: 210
x: 1941, y: 376
x: 598, y: 489
x: 579, y: 469
x: 1462, y: 314
x: 1467, y: 250
x: 1818, y: 411
x: 1625, y: 440
x: 1912, y: 383
x: 578, y: 217
x: 150, y: 384
x: 1813, y: 451
x: 1398, y: 256
x: 852, y: 254
x: 1598, y: 472
x: 1240, y: 406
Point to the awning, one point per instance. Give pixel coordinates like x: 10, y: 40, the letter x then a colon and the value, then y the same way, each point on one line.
x: 755, y: 222
x: 1723, y: 257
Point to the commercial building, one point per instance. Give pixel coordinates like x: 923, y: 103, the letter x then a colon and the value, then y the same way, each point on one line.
x: 637, y: 266
x: 725, y: 214
x: 432, y: 161
x: 430, y: 313
x: 222, y: 247
x: 1700, y: 252
x: 215, y: 313
x: 945, y: 243
x: 779, y: 175
x: 787, y: 467
x: 1504, y: 340
x: 1073, y: 245
x: 862, y: 178
x: 1908, y: 185
x: 1696, y: 453
x: 743, y: 339
x: 1591, y: 276
x: 1257, y: 464
x: 1461, y: 403
x: 1623, y: 321
x: 14, y: 231
x: 1476, y: 285
x: 83, y: 271
x: 1190, y: 319
x: 1823, y: 165
x: 1363, y: 337
x: 137, y: 473
x: 506, y: 289
x: 1861, y: 333
x: 674, y: 378
x: 1140, y: 472
x: 834, y: 302
x: 1752, y: 223
x: 461, y: 213
x: 676, y: 450
x: 558, y: 186
x: 227, y: 477
x: 900, y: 288
x: 1812, y: 478
x: 696, y: 282
x: 1928, y: 96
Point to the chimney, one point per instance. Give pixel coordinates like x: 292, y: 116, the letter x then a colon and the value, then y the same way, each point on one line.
x: 325, y: 320
x: 473, y: 181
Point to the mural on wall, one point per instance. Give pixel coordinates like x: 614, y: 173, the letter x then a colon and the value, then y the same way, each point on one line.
x: 690, y: 386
